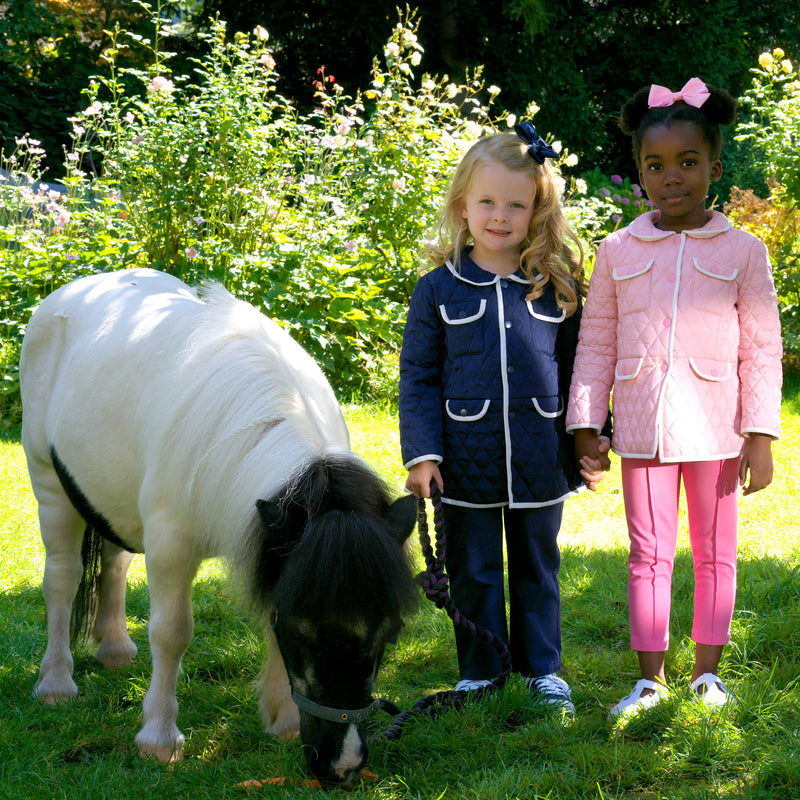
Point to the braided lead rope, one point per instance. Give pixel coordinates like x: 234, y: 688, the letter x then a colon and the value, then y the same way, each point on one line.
x: 434, y: 582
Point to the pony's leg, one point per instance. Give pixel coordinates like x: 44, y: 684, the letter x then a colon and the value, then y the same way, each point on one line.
x: 278, y: 710
x: 171, y: 566
x: 62, y: 533
x: 115, y: 646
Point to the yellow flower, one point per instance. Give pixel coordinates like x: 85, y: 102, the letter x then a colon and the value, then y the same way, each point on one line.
x: 778, y: 53
x: 766, y: 60
x: 786, y: 65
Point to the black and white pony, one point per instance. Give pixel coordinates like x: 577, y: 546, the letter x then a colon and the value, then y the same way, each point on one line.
x: 184, y: 427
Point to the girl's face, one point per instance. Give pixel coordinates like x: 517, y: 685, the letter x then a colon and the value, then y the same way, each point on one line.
x: 676, y: 170
x: 498, y: 208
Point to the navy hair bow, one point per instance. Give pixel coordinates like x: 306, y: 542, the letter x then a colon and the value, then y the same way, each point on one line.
x: 538, y: 148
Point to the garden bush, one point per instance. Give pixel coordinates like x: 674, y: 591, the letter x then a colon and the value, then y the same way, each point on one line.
x: 318, y: 217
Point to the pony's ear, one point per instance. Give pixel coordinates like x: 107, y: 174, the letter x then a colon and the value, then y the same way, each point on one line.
x: 280, y: 521
x: 401, y: 517
x: 281, y: 529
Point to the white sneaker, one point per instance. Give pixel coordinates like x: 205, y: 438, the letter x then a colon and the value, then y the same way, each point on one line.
x: 636, y: 701
x: 553, y: 690
x: 710, y: 690
x: 468, y: 685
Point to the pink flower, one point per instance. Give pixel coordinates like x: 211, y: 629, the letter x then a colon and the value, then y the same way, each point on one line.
x: 616, y: 178
x: 192, y: 252
x: 636, y: 189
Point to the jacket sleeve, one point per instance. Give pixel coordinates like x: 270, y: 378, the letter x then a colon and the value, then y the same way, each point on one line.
x: 596, y: 357
x: 421, y: 364
x: 760, y: 347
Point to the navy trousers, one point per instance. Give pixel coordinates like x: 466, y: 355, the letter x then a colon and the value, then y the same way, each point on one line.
x: 474, y: 562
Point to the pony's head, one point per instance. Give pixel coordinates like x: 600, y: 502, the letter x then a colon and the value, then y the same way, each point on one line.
x: 335, y: 572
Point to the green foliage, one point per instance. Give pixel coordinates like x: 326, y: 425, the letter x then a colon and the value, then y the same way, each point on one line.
x: 772, y: 124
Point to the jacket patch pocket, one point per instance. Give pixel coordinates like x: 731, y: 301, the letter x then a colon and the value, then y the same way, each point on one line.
x: 466, y: 410
x: 714, y: 288
x: 463, y: 329
x: 711, y: 369
x: 627, y: 368
x: 549, y: 407
x: 633, y: 285
x: 546, y: 311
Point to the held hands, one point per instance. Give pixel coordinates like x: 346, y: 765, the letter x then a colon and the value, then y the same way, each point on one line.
x: 591, y: 452
x: 420, y: 477
x: 756, y: 463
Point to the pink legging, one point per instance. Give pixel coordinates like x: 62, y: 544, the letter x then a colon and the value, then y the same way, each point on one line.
x: 652, y: 491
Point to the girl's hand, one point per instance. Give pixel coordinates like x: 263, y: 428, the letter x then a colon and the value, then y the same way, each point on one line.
x: 592, y: 454
x: 420, y: 477
x: 756, y: 463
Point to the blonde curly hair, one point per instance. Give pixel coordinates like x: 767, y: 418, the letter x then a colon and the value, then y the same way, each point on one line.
x: 551, y: 251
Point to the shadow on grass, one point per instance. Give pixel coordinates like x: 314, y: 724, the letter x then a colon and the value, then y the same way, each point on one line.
x: 219, y: 713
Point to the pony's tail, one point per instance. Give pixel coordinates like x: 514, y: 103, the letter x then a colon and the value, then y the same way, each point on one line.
x: 85, y: 603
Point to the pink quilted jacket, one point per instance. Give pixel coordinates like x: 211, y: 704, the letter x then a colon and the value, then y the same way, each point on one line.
x: 684, y: 328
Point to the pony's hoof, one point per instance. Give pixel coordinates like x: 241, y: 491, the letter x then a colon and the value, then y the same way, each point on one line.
x: 163, y: 752
x: 116, y: 657
x: 49, y: 694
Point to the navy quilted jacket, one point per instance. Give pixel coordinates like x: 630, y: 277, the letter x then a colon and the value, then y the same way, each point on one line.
x: 484, y: 377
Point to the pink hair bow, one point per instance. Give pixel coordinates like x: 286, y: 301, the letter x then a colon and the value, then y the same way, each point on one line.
x: 694, y: 93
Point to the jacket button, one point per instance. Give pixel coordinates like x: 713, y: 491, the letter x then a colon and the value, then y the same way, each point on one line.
x: 671, y: 279
x: 667, y: 323
x: 463, y: 412
x: 676, y: 239
x: 508, y: 324
x: 504, y: 283
x: 510, y: 370
x: 462, y: 314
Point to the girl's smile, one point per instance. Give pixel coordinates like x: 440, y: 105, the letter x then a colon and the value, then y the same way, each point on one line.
x: 676, y: 170
x: 498, y: 208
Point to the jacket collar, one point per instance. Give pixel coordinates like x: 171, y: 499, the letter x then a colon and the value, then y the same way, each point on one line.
x: 469, y: 272
x: 644, y: 227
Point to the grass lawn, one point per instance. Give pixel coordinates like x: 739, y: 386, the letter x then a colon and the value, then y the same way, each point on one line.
x: 502, y: 748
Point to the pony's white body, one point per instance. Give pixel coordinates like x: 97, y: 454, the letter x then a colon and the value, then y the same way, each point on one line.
x: 122, y: 376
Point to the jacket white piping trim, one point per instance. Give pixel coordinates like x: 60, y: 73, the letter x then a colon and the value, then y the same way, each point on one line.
x: 465, y: 417
x: 659, y: 431
x: 501, y: 322
x: 646, y: 268
x: 512, y: 504
x: 714, y: 274
x: 462, y: 320
x: 420, y: 459
x: 548, y: 414
x: 495, y: 279
x: 747, y: 431
x: 546, y: 317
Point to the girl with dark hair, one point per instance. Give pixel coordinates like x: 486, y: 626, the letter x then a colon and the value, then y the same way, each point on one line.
x: 681, y: 323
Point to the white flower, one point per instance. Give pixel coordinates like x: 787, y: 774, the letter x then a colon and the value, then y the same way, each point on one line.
x: 398, y: 184
x: 452, y: 90
x: 580, y: 186
x: 571, y: 160
x: 161, y: 85
x: 93, y: 110
x: 493, y: 90
x: 511, y: 120
x: 428, y: 85
x: 416, y: 57
x: 392, y: 50
x: 472, y: 129
x: 261, y: 33
x: 557, y: 146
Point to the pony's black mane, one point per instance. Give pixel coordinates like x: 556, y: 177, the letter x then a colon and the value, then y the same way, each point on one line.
x: 329, y: 548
